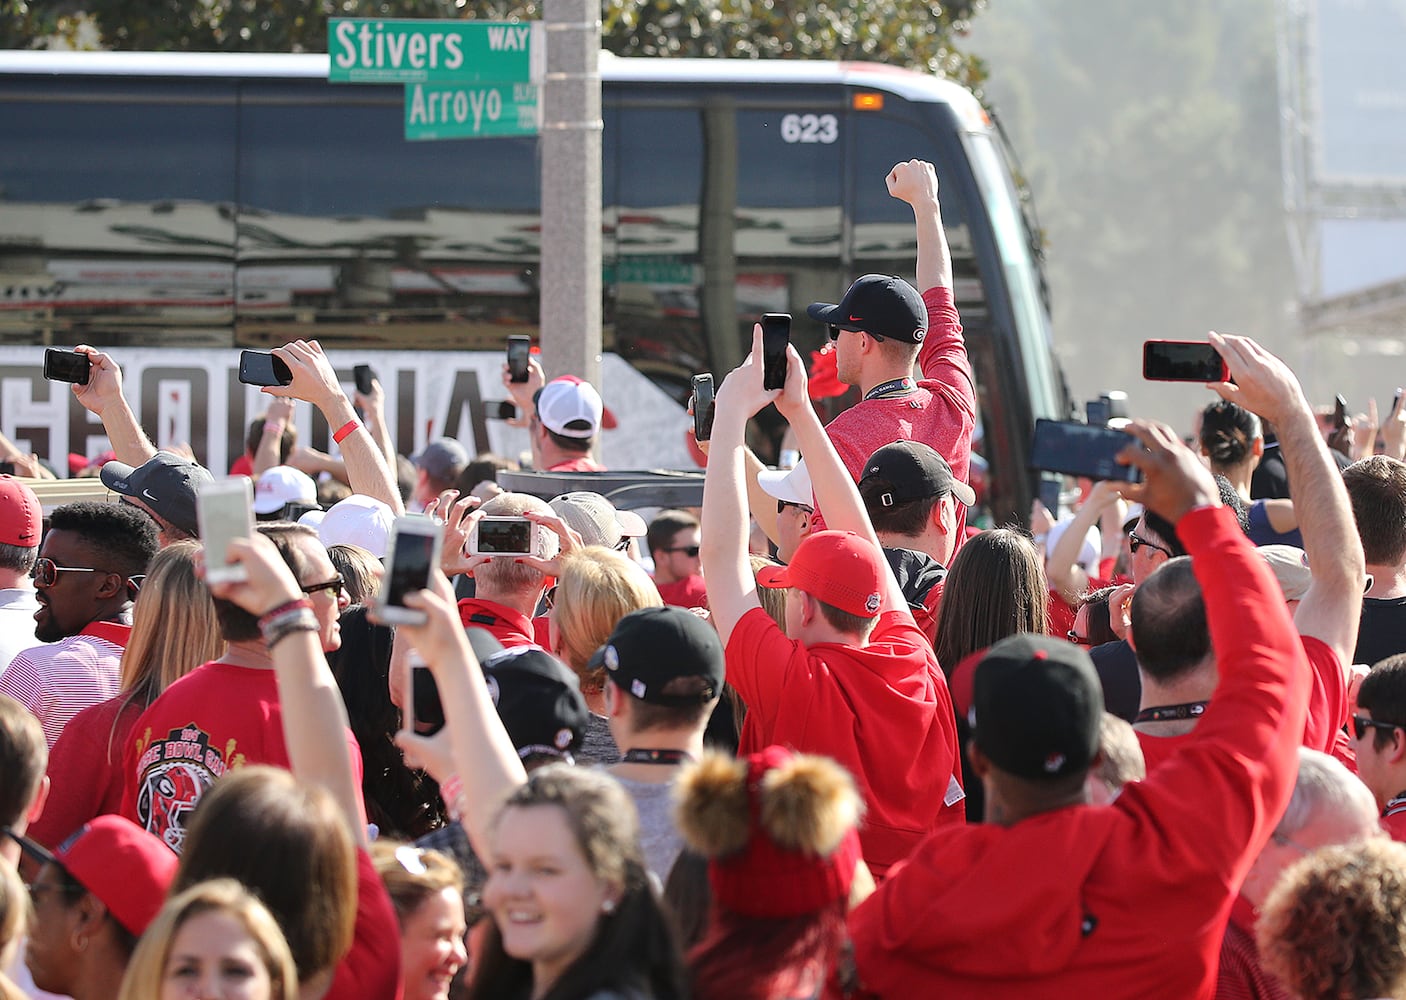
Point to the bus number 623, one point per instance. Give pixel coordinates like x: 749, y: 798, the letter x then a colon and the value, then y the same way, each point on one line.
x: 810, y: 128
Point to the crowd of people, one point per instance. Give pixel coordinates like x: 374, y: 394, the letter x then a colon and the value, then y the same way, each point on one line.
x: 819, y: 737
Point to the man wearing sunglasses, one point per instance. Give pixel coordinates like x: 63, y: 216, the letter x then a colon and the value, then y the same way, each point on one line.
x: 227, y: 713
x: 1378, y: 731
x: 89, y: 568
x: 673, y: 540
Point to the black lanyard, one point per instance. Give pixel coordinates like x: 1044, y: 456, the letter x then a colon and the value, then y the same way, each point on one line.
x: 892, y: 389
x: 643, y: 756
x: 1165, y: 713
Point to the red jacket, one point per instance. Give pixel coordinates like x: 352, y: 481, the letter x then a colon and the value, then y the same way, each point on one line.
x: 1129, y: 899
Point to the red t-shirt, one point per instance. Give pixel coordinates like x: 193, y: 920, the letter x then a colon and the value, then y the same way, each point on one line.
x: 940, y: 412
x: 85, y: 769
x: 243, y: 466
x: 690, y: 592
x: 510, y: 627
x: 582, y: 464
x: 217, y: 717
x: 881, y: 710
x: 371, y: 970
x: 1240, y: 976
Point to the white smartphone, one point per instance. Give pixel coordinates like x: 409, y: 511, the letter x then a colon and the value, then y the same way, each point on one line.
x: 512, y: 536
x: 225, y: 510
x: 413, y: 551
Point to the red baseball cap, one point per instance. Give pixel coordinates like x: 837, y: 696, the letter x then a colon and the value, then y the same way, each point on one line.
x: 838, y: 568
x: 21, y: 517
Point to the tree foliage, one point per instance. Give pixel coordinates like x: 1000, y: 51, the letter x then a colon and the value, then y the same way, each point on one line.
x: 919, y: 34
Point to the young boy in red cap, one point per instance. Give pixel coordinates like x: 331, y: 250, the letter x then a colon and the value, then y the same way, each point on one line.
x: 851, y: 677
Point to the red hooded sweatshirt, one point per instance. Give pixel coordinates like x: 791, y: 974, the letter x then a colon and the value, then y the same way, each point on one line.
x: 1129, y: 899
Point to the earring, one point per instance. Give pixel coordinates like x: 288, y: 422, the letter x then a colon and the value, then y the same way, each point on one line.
x: 608, y: 907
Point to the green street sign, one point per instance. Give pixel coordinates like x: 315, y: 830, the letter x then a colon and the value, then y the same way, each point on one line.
x: 465, y: 112
x: 368, y: 50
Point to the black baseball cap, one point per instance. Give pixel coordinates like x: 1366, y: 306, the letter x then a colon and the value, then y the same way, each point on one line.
x: 538, y: 699
x: 165, y: 483
x: 881, y: 304
x: 910, y: 470
x: 1037, y: 707
x: 653, y: 646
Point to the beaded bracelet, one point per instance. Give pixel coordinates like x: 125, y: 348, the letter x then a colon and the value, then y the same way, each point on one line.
x: 297, y: 604
x: 275, y: 636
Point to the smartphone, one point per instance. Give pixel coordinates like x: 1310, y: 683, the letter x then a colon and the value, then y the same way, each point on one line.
x: 519, y: 348
x: 413, y: 550
x: 776, y: 337
x: 1339, y: 411
x: 1080, y: 450
x: 66, y: 366
x: 1097, y: 412
x: 499, y: 409
x: 511, y: 536
x: 1050, y: 492
x: 426, y: 708
x: 363, y: 375
x: 703, y: 406
x: 1182, y: 361
x: 262, y: 368
x: 225, y: 512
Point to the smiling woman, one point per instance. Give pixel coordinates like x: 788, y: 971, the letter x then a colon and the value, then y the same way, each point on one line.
x: 426, y: 889
x: 574, y: 913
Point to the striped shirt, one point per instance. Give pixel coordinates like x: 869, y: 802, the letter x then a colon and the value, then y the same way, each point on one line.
x: 59, y: 680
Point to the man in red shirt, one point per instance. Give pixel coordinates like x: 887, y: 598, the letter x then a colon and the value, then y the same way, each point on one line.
x: 564, y: 418
x: 1055, y: 897
x: 673, y: 541
x: 506, y: 590
x: 883, y: 327
x: 1379, y: 739
x: 851, y: 677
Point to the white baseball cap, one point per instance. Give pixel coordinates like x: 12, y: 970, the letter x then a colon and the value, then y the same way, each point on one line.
x: 281, y: 486
x: 596, y: 519
x: 571, y: 407
x: 788, y: 485
x: 358, y: 520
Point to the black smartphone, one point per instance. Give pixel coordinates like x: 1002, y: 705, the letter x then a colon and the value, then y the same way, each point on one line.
x: 776, y: 337
x: 66, y: 366
x: 1182, y: 361
x: 364, y: 375
x: 703, y: 406
x: 1050, y: 490
x: 1097, y: 412
x: 1080, y: 450
x: 499, y: 409
x: 262, y: 368
x: 1339, y: 411
x: 519, y: 349
x: 427, y: 708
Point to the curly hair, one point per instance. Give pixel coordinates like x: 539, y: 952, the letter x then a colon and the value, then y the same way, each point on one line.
x: 125, y: 535
x: 1334, y: 926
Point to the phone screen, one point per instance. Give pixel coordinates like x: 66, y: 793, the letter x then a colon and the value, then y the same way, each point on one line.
x: 1080, y: 450
x: 1182, y: 361
x: 499, y: 409
x: 703, y: 407
x: 225, y: 510
x: 364, y: 375
x: 506, y: 536
x: 262, y: 368
x: 776, y: 336
x: 519, y: 348
x: 408, y: 569
x: 1097, y: 412
x: 66, y: 366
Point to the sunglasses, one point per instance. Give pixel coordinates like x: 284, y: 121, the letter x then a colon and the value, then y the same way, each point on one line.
x: 781, y: 506
x: 1360, y: 725
x: 834, y: 332
x: 689, y: 550
x: 1135, y: 543
x: 332, y: 586
x: 46, y: 571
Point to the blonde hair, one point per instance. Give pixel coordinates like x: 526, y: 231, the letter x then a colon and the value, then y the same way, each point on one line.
x: 412, y: 875
x: 174, y: 629
x: 1122, y: 753
x: 772, y: 599
x: 147, y: 969
x: 597, y: 588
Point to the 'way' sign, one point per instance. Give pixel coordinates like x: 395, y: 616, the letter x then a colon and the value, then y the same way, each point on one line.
x: 366, y: 50
x: 448, y: 111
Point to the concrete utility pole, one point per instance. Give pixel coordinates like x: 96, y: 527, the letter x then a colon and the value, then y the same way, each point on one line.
x: 571, y: 190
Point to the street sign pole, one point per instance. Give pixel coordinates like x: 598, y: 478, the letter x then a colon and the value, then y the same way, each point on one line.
x: 571, y: 190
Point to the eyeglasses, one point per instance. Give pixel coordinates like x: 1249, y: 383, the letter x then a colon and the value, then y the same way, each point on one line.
x: 1361, y: 723
x: 46, y: 571
x: 1077, y: 639
x: 781, y: 506
x: 834, y: 332
x: 332, y: 586
x: 689, y: 550
x: 1284, y: 840
x: 1135, y: 543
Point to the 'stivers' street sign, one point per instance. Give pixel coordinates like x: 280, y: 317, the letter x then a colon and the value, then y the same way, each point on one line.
x: 365, y: 50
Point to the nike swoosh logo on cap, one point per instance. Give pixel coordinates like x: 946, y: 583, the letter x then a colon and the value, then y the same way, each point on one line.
x: 855, y: 319
x: 147, y: 494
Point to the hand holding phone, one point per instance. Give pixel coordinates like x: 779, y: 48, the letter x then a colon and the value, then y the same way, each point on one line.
x: 776, y: 337
x: 1182, y: 361
x: 363, y: 375
x: 499, y: 409
x: 703, y: 406
x: 67, y: 366
x: 263, y: 369
x: 519, y: 350
x: 225, y: 512
x: 512, y: 536
x: 413, y: 551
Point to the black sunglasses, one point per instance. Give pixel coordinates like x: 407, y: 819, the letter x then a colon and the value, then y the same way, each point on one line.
x: 781, y: 506
x: 1135, y: 543
x: 332, y: 586
x: 1361, y: 723
x: 689, y: 550
x: 834, y: 332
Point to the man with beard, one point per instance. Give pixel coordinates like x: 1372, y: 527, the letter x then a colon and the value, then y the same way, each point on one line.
x: 90, y: 566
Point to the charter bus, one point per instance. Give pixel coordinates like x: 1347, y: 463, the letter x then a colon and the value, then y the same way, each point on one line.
x: 173, y: 207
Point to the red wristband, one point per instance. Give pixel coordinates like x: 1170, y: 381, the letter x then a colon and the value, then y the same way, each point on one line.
x: 345, y: 430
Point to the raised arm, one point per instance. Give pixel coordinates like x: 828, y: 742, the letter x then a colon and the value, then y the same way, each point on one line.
x: 1066, y: 577
x: 269, y: 453
x: 316, y: 382
x: 373, y: 406
x: 915, y: 182
x: 314, y: 717
x: 103, y: 398
x: 1332, y: 608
